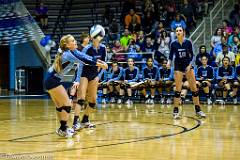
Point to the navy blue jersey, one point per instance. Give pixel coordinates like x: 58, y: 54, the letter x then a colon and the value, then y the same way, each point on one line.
x: 103, y: 77
x: 183, y: 53
x: 100, y: 53
x: 165, y: 73
x: 117, y: 75
x: 205, y: 73
x: 131, y: 76
x: 150, y: 73
x: 225, y: 72
x: 237, y: 71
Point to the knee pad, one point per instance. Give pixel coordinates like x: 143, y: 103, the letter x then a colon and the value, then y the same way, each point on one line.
x: 122, y: 86
x: 66, y: 108
x: 81, y: 102
x: 152, y: 86
x: 128, y: 85
x: 195, y: 94
x: 92, y: 105
x: 204, y: 84
x: 177, y: 94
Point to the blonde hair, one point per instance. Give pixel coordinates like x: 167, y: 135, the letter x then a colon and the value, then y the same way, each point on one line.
x: 57, y: 64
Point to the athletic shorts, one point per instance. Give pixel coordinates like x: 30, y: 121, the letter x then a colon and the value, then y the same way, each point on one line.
x: 181, y: 67
x: 52, y: 81
x: 89, y: 76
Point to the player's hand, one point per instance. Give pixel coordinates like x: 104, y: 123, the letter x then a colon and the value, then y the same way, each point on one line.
x: 96, y: 79
x: 102, y: 64
x: 75, y: 85
x: 168, y: 65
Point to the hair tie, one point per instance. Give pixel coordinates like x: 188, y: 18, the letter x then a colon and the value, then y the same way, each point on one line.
x: 60, y: 50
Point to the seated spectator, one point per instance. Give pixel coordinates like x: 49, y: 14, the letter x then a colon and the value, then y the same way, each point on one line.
x: 178, y: 22
x: 148, y: 47
x: 162, y: 44
x: 141, y: 40
x: 236, y: 84
x: 237, y: 58
x: 149, y: 7
x: 108, y: 15
x: 133, y: 21
x: 236, y: 32
x: 127, y: 5
x: 84, y: 40
x: 133, y: 49
x: 218, y: 47
x: 187, y: 12
x: 148, y: 22
x: 117, y: 48
x: 225, y: 77
x: 236, y: 43
x: 225, y: 53
x: 42, y: 15
x: 114, y: 29
x: 234, y: 15
x: 125, y: 39
x: 203, y: 52
x: 216, y: 38
x: 205, y: 77
x: 171, y: 10
x: 227, y: 29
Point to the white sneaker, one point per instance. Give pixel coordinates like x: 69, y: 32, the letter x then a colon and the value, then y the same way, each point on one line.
x: 129, y: 102
x: 162, y: 101
x: 209, y: 101
x: 176, y: 115
x: 169, y: 101
x: 88, y: 125
x: 235, y: 101
x: 119, y: 101
x: 201, y: 114
x: 147, y: 101
x: 112, y: 100
x: 68, y: 133
x: 77, y: 126
x: 104, y: 101
x: 151, y: 101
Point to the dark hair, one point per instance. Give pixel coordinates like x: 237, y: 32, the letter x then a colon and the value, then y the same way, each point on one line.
x: 83, y: 36
x: 115, y: 62
x: 217, y: 31
x: 204, y: 56
x: 225, y: 57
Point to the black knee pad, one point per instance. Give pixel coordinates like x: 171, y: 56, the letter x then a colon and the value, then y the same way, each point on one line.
x: 177, y: 94
x: 122, y: 86
x: 195, y: 94
x: 204, y: 84
x: 92, y: 105
x: 128, y: 86
x: 81, y: 102
x: 66, y: 108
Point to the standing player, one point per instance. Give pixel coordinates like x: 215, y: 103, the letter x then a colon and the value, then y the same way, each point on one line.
x: 64, y: 61
x: 87, y: 90
x: 205, y: 77
x: 182, y: 51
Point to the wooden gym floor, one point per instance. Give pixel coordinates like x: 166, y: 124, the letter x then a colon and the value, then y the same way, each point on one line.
x: 140, y: 132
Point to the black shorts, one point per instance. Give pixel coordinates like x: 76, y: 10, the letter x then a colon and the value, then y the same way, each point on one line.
x: 181, y: 67
x: 52, y: 81
x: 89, y: 76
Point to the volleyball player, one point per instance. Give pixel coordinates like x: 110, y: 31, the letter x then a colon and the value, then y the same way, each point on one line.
x: 205, y: 75
x: 225, y: 77
x: 115, y: 79
x: 150, y: 76
x: 87, y: 90
x: 131, y: 75
x: 182, y: 51
x: 66, y: 57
